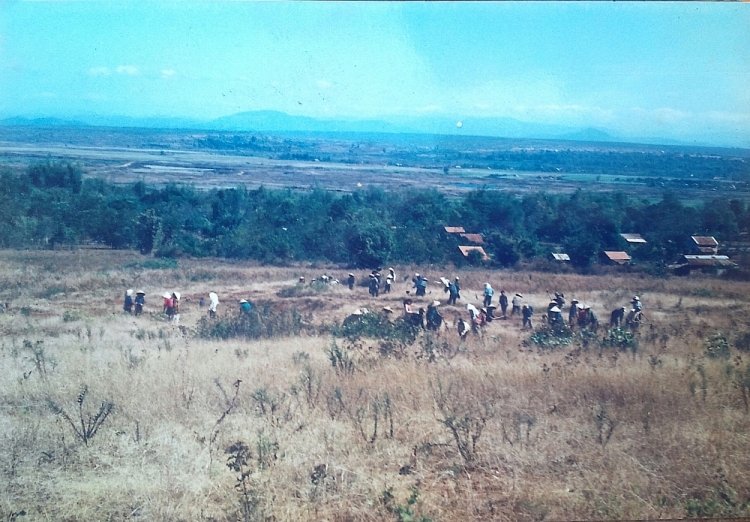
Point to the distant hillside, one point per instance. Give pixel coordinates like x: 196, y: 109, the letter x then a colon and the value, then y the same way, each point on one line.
x: 274, y: 121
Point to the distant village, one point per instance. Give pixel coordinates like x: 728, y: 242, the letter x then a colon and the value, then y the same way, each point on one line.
x: 701, y: 253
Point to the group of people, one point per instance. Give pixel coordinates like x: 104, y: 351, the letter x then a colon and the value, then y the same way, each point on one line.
x: 171, y: 304
x: 376, y: 281
x: 134, y: 303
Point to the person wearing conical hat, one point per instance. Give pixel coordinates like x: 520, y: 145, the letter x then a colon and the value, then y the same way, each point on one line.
x: 168, y: 305
x: 516, y: 302
x: 245, y: 307
x: 434, y: 319
x: 140, y: 302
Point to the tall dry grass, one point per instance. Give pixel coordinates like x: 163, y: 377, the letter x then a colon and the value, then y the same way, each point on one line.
x: 566, y: 434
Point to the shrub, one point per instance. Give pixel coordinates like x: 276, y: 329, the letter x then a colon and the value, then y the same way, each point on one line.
x: 376, y: 325
x: 620, y: 338
x: 263, y: 322
x: 70, y: 316
x: 303, y: 290
x: 85, y: 425
x: 552, y: 337
x: 717, y: 347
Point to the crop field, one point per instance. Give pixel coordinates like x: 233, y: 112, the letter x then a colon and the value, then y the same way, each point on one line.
x: 108, y: 416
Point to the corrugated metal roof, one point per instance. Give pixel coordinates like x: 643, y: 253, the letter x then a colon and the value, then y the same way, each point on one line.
x: 474, y: 238
x: 466, y: 249
x: 560, y: 257
x: 705, y: 241
x: 455, y: 230
x: 701, y: 260
x: 633, y: 238
x: 617, y: 256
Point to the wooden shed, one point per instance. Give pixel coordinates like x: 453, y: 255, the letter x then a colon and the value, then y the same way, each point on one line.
x: 465, y: 250
x: 615, y: 257
x: 633, y: 239
x: 473, y: 238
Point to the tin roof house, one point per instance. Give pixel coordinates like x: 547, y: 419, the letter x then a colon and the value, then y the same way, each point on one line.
x: 706, y: 245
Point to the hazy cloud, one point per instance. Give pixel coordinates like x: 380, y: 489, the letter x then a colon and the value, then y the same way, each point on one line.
x: 100, y: 71
x: 127, y: 69
x: 168, y: 73
x: 324, y: 84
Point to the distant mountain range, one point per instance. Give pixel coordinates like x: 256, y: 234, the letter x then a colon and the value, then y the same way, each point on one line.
x: 274, y: 121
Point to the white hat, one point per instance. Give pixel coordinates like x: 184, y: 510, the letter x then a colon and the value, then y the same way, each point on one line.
x: 177, y: 295
x: 243, y: 301
x: 519, y: 295
x: 554, y: 309
x: 388, y: 309
x: 141, y: 292
x: 587, y: 307
x: 635, y: 298
x: 129, y: 292
x: 357, y: 312
x: 166, y: 295
x: 436, y: 303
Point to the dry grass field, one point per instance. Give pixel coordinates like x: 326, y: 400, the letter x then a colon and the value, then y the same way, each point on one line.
x: 490, y: 428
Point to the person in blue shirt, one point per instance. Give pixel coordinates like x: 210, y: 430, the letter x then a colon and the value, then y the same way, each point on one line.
x: 488, y: 293
x: 245, y: 307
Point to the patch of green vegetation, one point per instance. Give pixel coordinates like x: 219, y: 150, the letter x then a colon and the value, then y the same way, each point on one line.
x: 51, y: 292
x: 702, y: 292
x: 303, y: 290
x: 551, y: 337
x: 70, y: 316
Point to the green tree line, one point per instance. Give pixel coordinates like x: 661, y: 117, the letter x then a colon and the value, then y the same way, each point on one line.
x: 53, y: 204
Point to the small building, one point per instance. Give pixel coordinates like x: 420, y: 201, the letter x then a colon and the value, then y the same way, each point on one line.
x: 554, y: 256
x: 615, y: 257
x: 473, y: 238
x: 466, y: 250
x: 703, y: 262
x: 704, y: 245
x: 455, y: 230
x: 633, y: 239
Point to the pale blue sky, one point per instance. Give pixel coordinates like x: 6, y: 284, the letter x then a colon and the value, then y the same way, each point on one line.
x: 680, y: 70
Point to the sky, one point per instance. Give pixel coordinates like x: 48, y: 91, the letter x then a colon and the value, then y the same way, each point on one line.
x: 679, y: 70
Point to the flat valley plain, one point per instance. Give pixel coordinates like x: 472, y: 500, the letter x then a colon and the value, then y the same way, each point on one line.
x: 493, y: 427
x: 348, y: 162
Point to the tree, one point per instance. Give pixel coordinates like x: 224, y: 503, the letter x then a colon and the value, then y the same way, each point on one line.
x: 369, y: 243
x: 146, y: 229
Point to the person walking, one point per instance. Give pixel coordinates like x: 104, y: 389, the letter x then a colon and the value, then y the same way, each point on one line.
x: 128, y: 304
x: 488, y: 293
x: 573, y: 312
x: 504, y: 303
x: 350, y: 281
x: 387, y: 287
x: 175, y: 308
x: 526, y: 312
x: 516, y: 305
x: 453, y: 292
